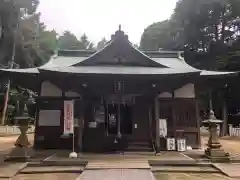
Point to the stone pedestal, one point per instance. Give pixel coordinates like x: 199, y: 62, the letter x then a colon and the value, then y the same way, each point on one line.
x: 217, y: 155
x: 20, y: 154
x: 22, y: 150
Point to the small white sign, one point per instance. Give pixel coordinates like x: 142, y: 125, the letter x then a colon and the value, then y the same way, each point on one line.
x: 181, y: 145
x: 135, y: 126
x: 171, y: 144
x: 68, y: 117
x: 92, y: 124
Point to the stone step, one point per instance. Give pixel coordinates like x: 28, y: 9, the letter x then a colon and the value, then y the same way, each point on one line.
x: 138, y: 148
x: 51, y: 169
x: 125, y: 164
x: 184, y: 169
x: 41, y: 176
x: 139, y: 143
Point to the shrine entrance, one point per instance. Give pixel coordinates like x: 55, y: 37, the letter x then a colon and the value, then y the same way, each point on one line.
x: 119, y: 120
x: 119, y: 115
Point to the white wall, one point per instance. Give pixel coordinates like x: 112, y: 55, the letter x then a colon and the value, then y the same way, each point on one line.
x: 72, y: 94
x: 165, y: 95
x: 49, y: 89
x: 49, y: 118
x: 186, y: 91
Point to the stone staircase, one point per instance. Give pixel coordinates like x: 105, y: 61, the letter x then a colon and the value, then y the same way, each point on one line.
x: 139, y: 146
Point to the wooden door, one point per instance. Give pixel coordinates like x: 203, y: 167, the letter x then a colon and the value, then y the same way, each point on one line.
x: 185, y: 120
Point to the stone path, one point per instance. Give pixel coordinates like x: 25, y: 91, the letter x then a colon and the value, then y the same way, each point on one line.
x: 231, y: 170
x: 8, y: 170
x: 117, y: 174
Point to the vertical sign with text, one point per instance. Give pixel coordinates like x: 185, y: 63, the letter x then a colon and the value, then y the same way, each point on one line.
x: 68, y: 117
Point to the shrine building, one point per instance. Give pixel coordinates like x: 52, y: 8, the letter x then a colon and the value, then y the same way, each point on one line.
x: 119, y: 92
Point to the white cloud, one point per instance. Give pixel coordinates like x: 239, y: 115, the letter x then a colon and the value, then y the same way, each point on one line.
x: 100, y: 18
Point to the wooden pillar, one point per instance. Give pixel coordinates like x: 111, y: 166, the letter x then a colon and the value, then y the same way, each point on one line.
x: 81, y: 125
x: 83, y: 100
x: 224, y: 118
x: 156, y: 105
x: 198, y: 118
x: 119, y: 135
x: 173, y: 107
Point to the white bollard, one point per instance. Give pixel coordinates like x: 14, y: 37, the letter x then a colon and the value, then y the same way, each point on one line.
x: 73, y: 155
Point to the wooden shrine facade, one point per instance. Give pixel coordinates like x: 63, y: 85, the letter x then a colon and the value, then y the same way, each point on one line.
x: 124, y: 99
x: 135, y: 101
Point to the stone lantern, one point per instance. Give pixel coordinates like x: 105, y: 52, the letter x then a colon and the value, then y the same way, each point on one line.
x: 214, y: 151
x: 22, y: 150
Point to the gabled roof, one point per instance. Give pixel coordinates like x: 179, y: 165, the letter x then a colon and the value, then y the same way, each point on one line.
x: 119, y: 51
x: 117, y: 57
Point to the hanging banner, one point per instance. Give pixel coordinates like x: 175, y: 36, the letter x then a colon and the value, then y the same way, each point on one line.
x: 162, y: 127
x: 68, y: 117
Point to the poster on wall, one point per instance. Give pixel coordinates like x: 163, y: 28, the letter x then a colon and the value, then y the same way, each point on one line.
x: 68, y: 117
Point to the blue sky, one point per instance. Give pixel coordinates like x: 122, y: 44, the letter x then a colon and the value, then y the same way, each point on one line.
x: 100, y: 18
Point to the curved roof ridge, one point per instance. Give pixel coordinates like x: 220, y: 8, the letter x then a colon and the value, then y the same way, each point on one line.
x: 95, y: 53
x: 207, y: 72
x: 182, y: 59
x: 143, y: 54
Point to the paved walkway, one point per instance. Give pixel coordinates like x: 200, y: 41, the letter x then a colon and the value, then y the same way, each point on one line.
x: 117, y: 174
x: 231, y: 170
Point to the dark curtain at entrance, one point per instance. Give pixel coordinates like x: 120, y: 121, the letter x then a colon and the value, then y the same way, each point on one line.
x: 125, y: 118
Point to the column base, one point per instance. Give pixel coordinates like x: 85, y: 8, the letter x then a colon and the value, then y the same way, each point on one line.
x: 19, y: 154
x: 217, y: 155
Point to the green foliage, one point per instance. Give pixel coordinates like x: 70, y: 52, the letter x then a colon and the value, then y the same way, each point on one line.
x: 69, y: 41
x: 21, y: 25
x: 202, y: 28
x: 161, y: 35
x: 101, y: 44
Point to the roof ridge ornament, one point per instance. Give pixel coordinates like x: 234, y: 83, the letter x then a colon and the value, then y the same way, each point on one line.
x: 119, y: 34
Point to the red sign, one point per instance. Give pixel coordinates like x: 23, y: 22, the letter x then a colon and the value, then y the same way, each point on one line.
x: 68, y: 117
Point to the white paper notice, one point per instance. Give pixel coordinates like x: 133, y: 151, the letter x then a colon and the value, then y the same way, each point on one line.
x: 162, y: 127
